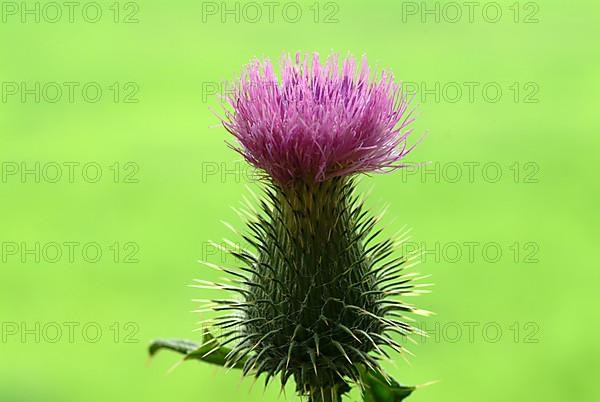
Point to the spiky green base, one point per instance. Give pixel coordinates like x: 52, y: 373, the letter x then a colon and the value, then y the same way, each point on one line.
x: 314, y: 298
x: 375, y: 387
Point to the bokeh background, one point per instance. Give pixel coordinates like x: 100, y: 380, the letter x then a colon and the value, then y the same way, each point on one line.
x: 507, y: 210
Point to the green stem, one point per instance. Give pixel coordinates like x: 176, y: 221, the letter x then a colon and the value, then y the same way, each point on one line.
x: 325, y: 395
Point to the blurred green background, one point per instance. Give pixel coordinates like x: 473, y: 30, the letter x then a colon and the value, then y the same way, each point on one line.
x: 507, y: 211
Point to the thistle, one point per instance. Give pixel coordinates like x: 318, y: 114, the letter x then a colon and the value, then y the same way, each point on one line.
x: 316, y: 297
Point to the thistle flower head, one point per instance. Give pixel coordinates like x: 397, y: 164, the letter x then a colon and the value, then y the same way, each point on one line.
x: 318, y: 121
x: 315, y: 294
x: 315, y: 290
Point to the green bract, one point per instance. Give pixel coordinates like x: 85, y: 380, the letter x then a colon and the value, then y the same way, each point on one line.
x: 314, y: 296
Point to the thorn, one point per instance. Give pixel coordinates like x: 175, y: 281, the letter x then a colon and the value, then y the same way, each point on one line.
x: 427, y: 384
x: 424, y: 313
x: 230, y: 227
x: 173, y: 367
x: 149, y: 361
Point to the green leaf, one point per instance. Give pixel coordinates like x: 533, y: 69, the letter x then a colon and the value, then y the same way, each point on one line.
x: 177, y: 345
x: 379, y: 389
x: 208, y: 351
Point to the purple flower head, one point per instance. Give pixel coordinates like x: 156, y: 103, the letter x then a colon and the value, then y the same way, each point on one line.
x: 318, y: 121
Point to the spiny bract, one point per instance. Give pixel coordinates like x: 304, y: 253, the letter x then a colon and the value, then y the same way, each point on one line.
x: 314, y: 296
